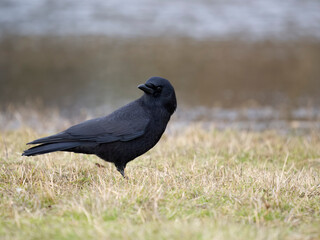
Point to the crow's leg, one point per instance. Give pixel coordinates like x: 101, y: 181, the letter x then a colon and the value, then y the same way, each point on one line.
x: 121, y: 170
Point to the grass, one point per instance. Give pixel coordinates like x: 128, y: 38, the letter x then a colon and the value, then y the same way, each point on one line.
x: 195, y: 184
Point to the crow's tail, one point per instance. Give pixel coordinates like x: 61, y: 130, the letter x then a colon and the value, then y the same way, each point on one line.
x: 50, y: 147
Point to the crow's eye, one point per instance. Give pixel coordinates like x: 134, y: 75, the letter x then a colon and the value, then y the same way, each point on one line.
x: 157, y: 91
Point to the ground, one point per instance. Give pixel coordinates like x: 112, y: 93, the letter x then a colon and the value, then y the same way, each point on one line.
x: 195, y: 184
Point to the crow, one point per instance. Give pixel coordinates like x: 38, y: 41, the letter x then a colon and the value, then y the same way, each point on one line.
x: 121, y: 136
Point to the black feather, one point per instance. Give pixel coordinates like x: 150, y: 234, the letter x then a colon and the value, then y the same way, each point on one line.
x: 124, y: 134
x: 49, y: 147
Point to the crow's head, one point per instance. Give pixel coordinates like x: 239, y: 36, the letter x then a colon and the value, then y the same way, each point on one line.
x: 160, y: 91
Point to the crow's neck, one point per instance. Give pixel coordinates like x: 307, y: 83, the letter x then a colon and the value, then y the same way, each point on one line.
x: 155, y: 108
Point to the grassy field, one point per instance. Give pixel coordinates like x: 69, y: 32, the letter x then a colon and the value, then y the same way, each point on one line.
x: 195, y: 184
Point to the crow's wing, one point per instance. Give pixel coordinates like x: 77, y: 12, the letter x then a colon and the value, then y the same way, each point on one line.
x: 125, y: 124
x: 102, y: 130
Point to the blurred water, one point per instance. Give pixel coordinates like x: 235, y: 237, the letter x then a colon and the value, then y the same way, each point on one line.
x: 245, y: 64
x: 250, y: 19
x: 92, y: 71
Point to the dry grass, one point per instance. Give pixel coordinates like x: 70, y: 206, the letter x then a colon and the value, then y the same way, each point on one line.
x: 195, y: 184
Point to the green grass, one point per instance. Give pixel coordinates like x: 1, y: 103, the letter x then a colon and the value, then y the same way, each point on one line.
x: 195, y: 184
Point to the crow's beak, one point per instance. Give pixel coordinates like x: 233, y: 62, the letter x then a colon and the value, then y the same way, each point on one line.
x: 146, y: 89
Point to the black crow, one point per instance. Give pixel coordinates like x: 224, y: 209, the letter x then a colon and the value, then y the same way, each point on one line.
x: 124, y: 134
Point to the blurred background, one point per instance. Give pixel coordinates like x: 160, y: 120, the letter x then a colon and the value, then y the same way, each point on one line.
x: 245, y: 64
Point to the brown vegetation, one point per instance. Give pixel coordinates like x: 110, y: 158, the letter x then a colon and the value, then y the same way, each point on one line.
x: 90, y: 70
